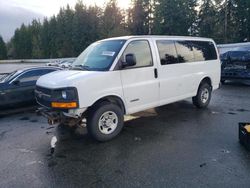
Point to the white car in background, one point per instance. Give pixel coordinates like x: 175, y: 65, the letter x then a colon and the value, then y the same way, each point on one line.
x: 66, y: 63
x: 53, y: 63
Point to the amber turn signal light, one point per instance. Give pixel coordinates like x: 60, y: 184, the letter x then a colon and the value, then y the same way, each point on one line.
x: 63, y: 104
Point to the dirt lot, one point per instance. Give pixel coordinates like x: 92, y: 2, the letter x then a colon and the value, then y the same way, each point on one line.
x: 173, y: 146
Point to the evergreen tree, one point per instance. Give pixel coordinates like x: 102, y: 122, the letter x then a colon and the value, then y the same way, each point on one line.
x: 65, y: 32
x: 93, y: 25
x: 35, y: 31
x: 175, y: 17
x: 243, y: 19
x: 227, y: 14
x: 45, y: 39
x: 139, y: 17
x: 53, y: 38
x: 207, y: 19
x: 69, y: 32
x: 22, y: 42
x: 112, y: 21
x: 3, y: 50
x: 80, y: 29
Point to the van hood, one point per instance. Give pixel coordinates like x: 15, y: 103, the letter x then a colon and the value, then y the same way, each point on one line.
x: 66, y: 78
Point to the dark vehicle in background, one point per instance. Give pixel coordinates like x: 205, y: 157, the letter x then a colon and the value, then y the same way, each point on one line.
x: 17, y: 88
x: 235, y: 65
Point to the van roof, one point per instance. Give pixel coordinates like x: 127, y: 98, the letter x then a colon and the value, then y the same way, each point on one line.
x: 160, y: 36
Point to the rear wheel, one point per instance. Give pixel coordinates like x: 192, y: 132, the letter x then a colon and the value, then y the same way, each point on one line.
x: 203, y: 97
x: 105, y: 121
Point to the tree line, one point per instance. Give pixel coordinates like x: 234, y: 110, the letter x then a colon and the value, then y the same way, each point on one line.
x: 69, y: 32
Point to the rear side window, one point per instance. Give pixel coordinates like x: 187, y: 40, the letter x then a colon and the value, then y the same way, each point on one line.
x: 184, y: 51
x: 172, y: 52
x: 167, y: 52
x: 142, y: 52
x: 203, y: 50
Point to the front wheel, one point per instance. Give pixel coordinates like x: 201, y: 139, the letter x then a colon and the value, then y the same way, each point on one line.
x: 105, y: 121
x: 203, y: 97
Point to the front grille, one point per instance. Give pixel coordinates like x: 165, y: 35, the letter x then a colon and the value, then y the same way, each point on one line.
x: 44, y: 90
x: 43, y: 102
x: 43, y: 96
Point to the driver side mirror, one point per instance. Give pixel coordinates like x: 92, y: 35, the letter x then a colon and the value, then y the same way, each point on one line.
x: 130, y: 60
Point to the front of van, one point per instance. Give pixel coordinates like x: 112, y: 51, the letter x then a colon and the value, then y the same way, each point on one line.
x: 71, y: 92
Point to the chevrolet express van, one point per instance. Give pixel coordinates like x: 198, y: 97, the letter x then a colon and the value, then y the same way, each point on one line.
x: 119, y: 76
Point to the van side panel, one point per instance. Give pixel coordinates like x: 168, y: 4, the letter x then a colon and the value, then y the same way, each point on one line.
x: 181, y: 80
x: 97, y: 86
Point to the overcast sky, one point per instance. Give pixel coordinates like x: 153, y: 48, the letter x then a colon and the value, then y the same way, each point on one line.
x: 15, y: 12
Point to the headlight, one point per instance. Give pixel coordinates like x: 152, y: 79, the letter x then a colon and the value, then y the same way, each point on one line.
x: 64, y: 98
x: 65, y: 94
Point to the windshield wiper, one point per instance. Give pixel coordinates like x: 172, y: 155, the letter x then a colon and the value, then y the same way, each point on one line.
x: 81, y: 67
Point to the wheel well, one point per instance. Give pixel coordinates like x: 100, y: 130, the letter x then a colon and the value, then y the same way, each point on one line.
x: 112, y: 99
x: 206, y: 80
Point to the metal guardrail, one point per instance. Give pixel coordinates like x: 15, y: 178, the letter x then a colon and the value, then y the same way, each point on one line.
x: 10, y: 61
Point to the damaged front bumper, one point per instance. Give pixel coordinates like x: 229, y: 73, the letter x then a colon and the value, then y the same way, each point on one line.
x: 52, y: 116
x: 71, y: 117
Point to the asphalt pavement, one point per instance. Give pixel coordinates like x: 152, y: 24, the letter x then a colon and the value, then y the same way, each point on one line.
x: 175, y: 145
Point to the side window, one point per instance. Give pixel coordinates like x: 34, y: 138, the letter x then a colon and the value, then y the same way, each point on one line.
x: 142, y: 52
x: 184, y: 51
x: 167, y: 52
x: 32, y: 75
x: 198, y: 51
x: 204, y: 51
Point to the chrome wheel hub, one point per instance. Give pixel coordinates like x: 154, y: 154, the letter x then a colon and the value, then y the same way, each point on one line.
x: 204, y: 95
x: 108, y: 122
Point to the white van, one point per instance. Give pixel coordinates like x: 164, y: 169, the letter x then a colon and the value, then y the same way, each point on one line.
x: 119, y: 76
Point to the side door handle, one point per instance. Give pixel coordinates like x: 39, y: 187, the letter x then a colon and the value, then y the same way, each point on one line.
x: 156, y: 72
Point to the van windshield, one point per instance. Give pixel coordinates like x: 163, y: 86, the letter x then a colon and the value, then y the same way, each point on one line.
x: 99, y: 56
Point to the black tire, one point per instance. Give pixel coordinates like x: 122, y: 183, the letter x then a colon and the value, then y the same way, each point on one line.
x: 94, y: 117
x: 199, y: 101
